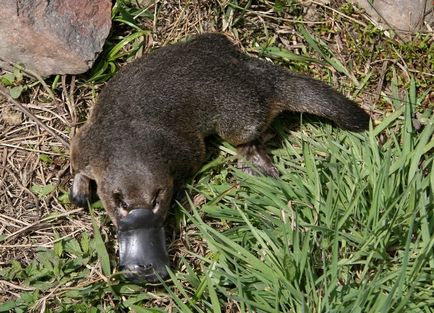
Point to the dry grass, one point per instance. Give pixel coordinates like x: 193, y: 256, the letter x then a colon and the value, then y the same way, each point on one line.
x: 31, y: 157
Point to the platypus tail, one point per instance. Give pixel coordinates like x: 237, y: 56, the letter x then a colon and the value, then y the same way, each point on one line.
x: 304, y: 94
x: 298, y: 93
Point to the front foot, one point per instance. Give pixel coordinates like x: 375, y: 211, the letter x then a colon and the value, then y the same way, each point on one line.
x: 81, y: 193
x: 255, y: 154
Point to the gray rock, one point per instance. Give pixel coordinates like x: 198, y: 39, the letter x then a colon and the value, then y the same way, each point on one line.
x: 403, y: 16
x: 53, y: 36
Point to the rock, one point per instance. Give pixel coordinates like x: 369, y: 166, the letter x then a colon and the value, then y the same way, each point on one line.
x: 403, y: 16
x: 53, y: 36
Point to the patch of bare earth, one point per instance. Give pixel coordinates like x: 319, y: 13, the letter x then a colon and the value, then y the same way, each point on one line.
x: 34, y: 175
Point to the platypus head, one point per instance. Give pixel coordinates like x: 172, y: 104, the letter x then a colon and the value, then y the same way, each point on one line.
x: 141, y: 200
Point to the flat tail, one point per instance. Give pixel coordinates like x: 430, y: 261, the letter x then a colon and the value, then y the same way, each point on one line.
x: 299, y: 93
x: 304, y: 94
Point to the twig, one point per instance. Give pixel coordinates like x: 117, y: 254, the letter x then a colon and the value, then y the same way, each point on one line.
x: 16, y: 286
x: 32, y: 117
x: 381, y: 81
x: 30, y: 73
x: 18, y: 182
x: 263, y: 14
x: 338, y: 12
x: 27, y: 149
x: 45, y: 219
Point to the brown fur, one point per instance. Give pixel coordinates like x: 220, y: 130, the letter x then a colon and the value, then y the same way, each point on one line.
x: 146, y: 132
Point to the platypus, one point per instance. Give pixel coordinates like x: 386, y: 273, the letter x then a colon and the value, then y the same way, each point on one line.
x: 146, y: 133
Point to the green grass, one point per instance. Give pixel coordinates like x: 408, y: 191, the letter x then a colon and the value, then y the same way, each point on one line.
x: 347, y: 227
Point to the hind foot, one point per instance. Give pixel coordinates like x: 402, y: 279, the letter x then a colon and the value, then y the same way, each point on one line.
x: 255, y: 154
x: 81, y: 193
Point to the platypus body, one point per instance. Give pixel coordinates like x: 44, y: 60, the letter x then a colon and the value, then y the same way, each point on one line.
x: 146, y: 133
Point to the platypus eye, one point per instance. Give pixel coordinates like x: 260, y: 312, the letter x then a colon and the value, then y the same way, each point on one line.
x: 156, y: 199
x: 119, y: 201
x: 123, y: 204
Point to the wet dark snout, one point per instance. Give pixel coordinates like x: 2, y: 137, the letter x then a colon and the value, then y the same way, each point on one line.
x: 142, y: 248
